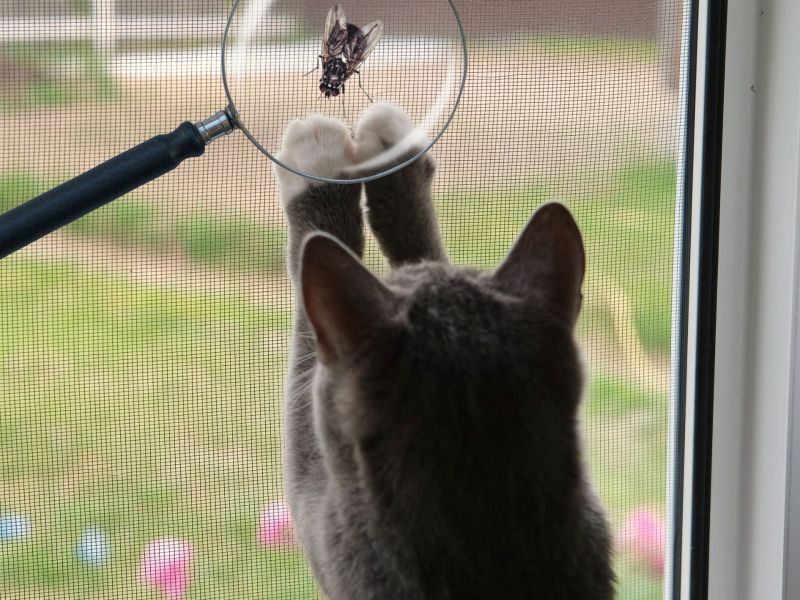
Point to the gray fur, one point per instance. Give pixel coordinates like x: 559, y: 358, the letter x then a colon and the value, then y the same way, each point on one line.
x: 432, y: 446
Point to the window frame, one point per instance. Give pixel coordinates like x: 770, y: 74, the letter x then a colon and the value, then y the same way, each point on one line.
x: 741, y: 490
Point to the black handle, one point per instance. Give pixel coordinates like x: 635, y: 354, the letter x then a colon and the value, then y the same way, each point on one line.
x: 106, y: 182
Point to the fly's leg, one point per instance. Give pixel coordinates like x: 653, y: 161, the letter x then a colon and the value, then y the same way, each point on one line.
x: 361, y: 86
x: 319, y: 58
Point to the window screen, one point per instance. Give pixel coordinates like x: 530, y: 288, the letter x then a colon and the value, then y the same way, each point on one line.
x: 143, y: 348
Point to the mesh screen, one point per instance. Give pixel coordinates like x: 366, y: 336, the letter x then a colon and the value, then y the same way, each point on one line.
x: 143, y: 349
x: 279, y: 67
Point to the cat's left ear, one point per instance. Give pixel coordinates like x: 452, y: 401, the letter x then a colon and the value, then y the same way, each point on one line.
x: 343, y: 301
x: 547, y: 262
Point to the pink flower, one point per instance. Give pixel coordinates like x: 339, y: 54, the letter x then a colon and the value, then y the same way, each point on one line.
x: 275, y: 526
x: 644, y: 536
x: 166, y: 565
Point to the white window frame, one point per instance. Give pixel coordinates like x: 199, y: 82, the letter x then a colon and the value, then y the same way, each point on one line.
x: 754, y: 527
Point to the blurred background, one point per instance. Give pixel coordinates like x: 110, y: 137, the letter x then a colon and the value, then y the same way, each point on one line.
x: 143, y: 348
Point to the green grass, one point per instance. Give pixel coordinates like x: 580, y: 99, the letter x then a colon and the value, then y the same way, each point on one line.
x: 578, y: 46
x: 190, y: 449
x: 55, y: 74
x: 81, y: 7
x: 640, y: 419
x: 638, y: 207
x: 231, y: 241
x: 18, y: 186
x: 164, y: 447
x: 126, y: 222
x: 151, y: 412
x: 601, y: 47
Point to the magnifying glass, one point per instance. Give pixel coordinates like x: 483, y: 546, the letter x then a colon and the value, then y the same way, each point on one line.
x: 283, y: 60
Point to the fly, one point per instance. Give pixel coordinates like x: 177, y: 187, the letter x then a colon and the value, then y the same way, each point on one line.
x: 344, y: 47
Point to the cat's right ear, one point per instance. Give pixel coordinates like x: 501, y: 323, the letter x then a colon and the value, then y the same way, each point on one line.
x: 547, y: 262
x: 343, y: 301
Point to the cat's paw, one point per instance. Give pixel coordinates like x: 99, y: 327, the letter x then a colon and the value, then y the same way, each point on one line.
x: 387, y: 129
x: 317, y: 145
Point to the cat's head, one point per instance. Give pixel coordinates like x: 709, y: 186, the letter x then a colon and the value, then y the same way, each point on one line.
x: 449, y: 378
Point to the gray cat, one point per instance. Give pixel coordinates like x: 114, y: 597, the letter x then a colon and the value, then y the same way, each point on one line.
x: 432, y: 447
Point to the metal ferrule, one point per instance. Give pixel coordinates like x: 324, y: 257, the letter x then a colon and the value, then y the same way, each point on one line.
x: 215, y: 127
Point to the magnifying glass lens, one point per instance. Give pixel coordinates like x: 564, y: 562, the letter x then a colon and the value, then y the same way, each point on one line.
x: 288, y: 59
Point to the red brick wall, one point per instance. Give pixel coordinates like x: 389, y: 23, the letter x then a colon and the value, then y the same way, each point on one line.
x: 629, y: 18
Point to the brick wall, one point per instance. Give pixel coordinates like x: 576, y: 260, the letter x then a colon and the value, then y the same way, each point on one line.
x: 630, y: 18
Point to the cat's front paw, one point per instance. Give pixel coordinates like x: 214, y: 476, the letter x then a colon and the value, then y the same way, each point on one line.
x: 386, y: 132
x: 317, y: 145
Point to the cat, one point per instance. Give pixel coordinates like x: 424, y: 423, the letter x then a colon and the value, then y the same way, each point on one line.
x: 432, y: 448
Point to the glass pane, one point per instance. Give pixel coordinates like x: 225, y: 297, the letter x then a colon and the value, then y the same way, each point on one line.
x: 143, y: 349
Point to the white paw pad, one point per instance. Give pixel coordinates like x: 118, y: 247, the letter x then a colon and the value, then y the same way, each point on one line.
x: 385, y: 127
x: 318, y: 146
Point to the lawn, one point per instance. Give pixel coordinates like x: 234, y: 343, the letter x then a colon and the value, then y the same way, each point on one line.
x: 46, y: 74
x: 152, y: 412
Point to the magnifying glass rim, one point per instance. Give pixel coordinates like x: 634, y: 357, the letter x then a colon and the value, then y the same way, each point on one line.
x: 234, y: 114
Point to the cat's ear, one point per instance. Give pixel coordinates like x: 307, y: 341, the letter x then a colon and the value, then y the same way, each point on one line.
x: 547, y: 262
x: 343, y: 301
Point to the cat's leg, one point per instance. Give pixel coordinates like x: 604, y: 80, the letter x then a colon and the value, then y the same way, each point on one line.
x: 322, y: 146
x: 399, y: 206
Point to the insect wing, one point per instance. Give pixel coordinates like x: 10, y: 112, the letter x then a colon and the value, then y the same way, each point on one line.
x: 361, y: 44
x: 335, y: 20
x: 334, y: 36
